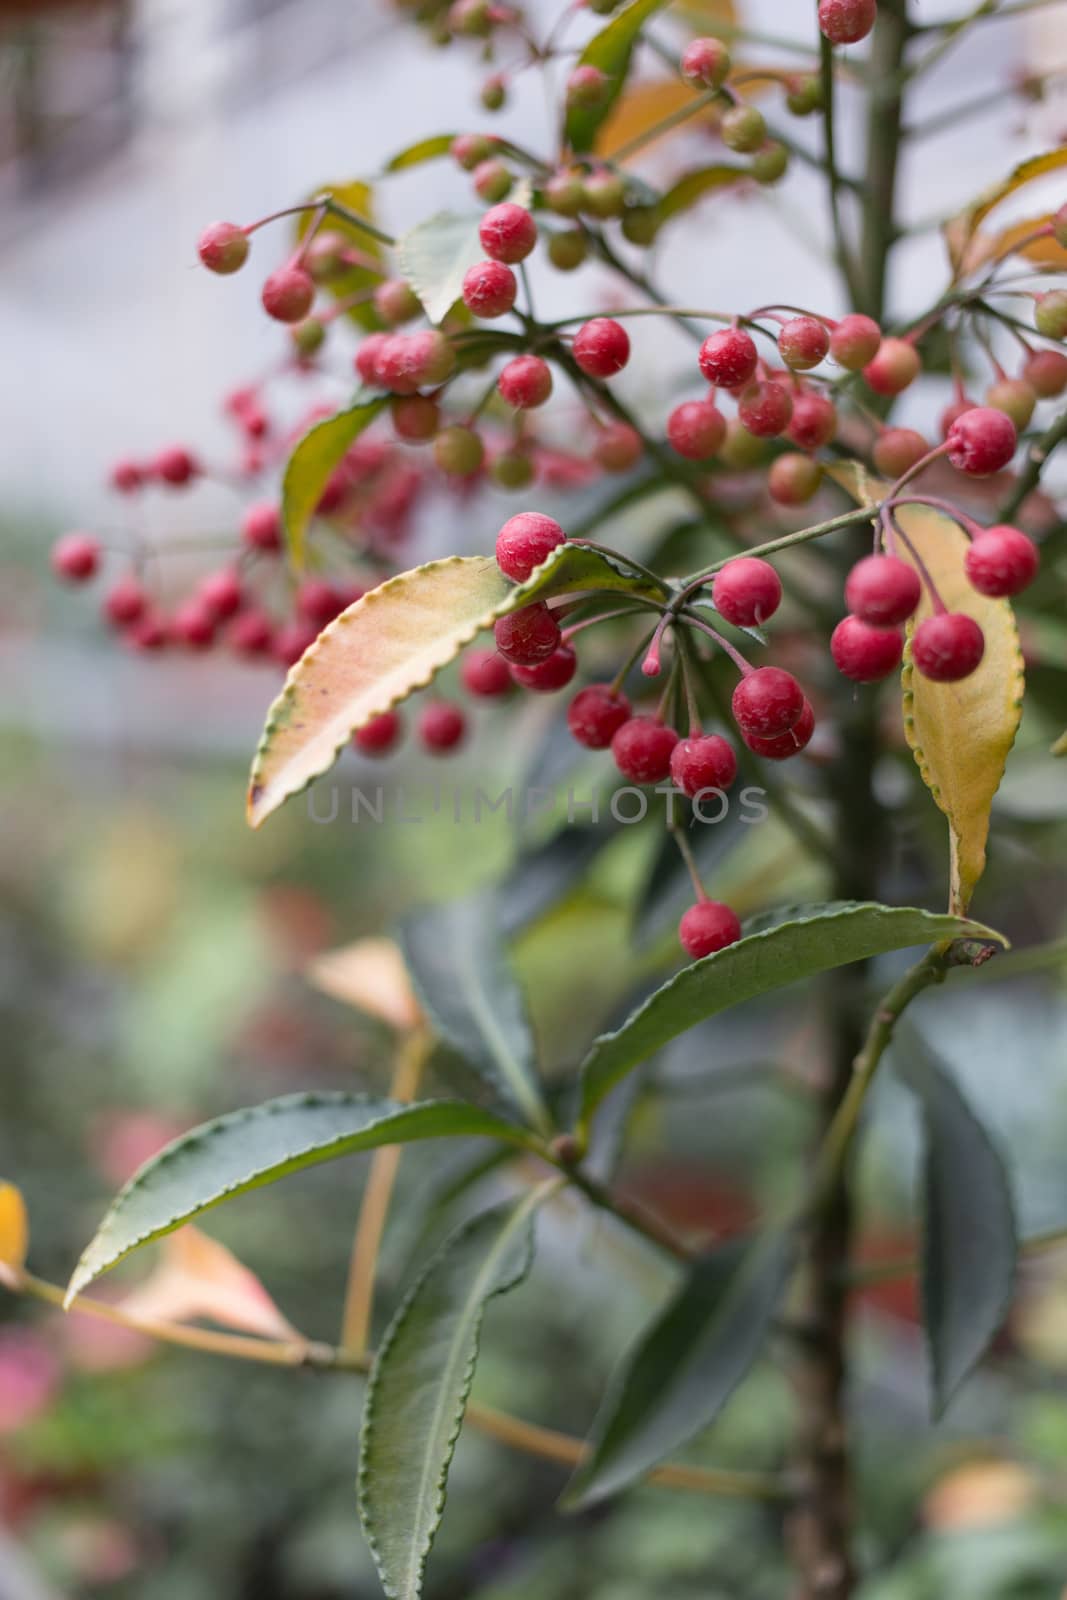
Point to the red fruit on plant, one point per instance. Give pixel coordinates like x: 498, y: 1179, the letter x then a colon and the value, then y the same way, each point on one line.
x: 396, y: 302
x: 291, y: 640
x: 395, y: 365
x: 75, y: 557
x: 528, y: 636
x: 1046, y: 373
x: 220, y: 593
x: 126, y: 477
x: 854, y: 341
x: 125, y: 602
x: 895, y: 366
x: 897, y: 450
x: 767, y: 702
x: 459, y: 451
x: 549, y: 676
x: 415, y: 417
x: 704, y: 761
x: 746, y: 592
x: 642, y: 748
x: 947, y: 647
x: 193, y: 626
x: 441, y: 726
x: 318, y: 602
x: 706, y: 927
x: 508, y: 233
x: 803, y: 343
x: 587, y: 86
x: 846, y: 21
x: 728, y: 358
x: 430, y: 358
x: 525, y: 382
x: 696, y: 429
x: 785, y: 745
x: 601, y: 347
x: 367, y: 360
x: 981, y: 441
x: 176, y: 466
x: 705, y: 63
x: 793, y: 479
x: 618, y: 447
x: 261, y: 526
x: 288, y: 294
x: 489, y: 289
x: 883, y: 590
x: 148, y: 634
x: 596, y: 714
x: 864, y: 653
x: 485, y: 673
x: 252, y: 634
x: 378, y: 736
x: 223, y: 247
x: 524, y: 542
x: 765, y: 409
x: 814, y: 420
x: 1001, y: 561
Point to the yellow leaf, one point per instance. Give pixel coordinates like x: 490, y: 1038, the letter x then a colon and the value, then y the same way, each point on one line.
x: 199, y: 1278
x: 641, y: 107
x: 1060, y: 747
x: 1016, y: 239
x: 360, y: 278
x: 960, y: 231
x: 14, y: 1227
x: 708, y: 16
x: 371, y: 976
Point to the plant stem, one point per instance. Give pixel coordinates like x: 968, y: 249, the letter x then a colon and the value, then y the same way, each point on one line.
x: 1036, y: 457
x: 883, y: 151
x: 842, y: 250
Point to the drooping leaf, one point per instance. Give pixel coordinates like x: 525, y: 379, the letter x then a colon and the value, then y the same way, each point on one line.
x: 246, y: 1149
x: 969, y: 1246
x: 309, y: 467
x: 960, y: 231
x: 413, y: 155
x: 419, y: 1386
x: 685, y: 1366
x: 611, y: 51
x: 692, y: 186
x: 434, y: 258
x: 199, y: 1277
x: 459, y: 963
x: 14, y: 1227
x: 369, y: 974
x: 823, y: 938
x: 358, y: 279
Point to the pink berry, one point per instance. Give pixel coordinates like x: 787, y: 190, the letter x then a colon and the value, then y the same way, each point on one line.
x: 707, y: 927
x: 378, y: 736
x: 596, y: 714
x: 396, y: 302
x: 642, y: 749
x: 587, y: 87
x: 705, y: 63
x: 897, y: 450
x: 696, y: 429
x: 549, y: 676
x: 728, y: 358
x: 765, y: 409
x: 783, y: 746
x: 318, y: 602
x: 252, y: 634
x: 883, y: 590
x: 486, y: 674
x: 947, y: 647
x: 767, y: 702
x: 525, y: 382
x: 288, y: 294
x: 704, y: 761
x: 441, y: 726
x: 148, y: 634
x: 508, y: 233
x: 416, y: 417
x: 368, y: 357
x: 468, y: 149
x: 1046, y: 373
x: 981, y: 441
x: 803, y: 343
x: 220, y: 593
x: 793, y: 479
x: 176, y: 466
x: 846, y: 21
x: 430, y: 357
x: 524, y: 542
x: 492, y: 180
x: 618, y: 447
x: 489, y: 289
x: 746, y: 591
x: 223, y: 247
x: 261, y: 527
x: 1001, y: 561
x: 895, y: 366
x: 854, y: 341
x: 814, y: 420
x: 864, y: 653
x: 75, y: 557
x: 601, y: 347
x: 193, y: 626
x: 126, y: 477
x: 291, y: 641
x: 125, y: 602
x: 528, y: 636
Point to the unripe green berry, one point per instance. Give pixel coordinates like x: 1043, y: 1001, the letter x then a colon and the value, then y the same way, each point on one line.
x: 793, y: 479
x: 640, y: 224
x: 1050, y: 314
x: 308, y: 336
x: 805, y: 96
x: 566, y: 251
x: 604, y: 194
x: 1015, y: 397
x: 458, y: 451
x: 469, y: 150
x: 470, y: 18
x: 494, y: 93
x: 492, y: 180
x: 740, y: 449
x: 743, y: 129
x: 587, y: 87
x: 564, y: 193
x: 770, y: 163
x: 512, y: 469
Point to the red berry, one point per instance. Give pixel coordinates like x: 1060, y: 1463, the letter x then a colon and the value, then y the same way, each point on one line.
x: 882, y: 590
x: 550, y: 675
x: 318, y: 602
x: 642, y: 749
x: 696, y: 429
x: 429, y: 357
x: 803, y: 343
x: 288, y: 294
x: 587, y: 86
x: 863, y: 653
x: 148, y: 634
x: 525, y: 382
x: 415, y: 417
x: 485, y: 673
x: 846, y: 21
x: 618, y: 447
x: 508, y: 233
x: 746, y: 591
x: 176, y: 466
x: 596, y: 714
x: 705, y: 63
x: 489, y: 289
x: 378, y: 736
x: 125, y: 602
x: 947, y: 647
x: 368, y: 358
x: 441, y: 726
x: 223, y: 247
x: 1001, y: 561
x: 785, y: 745
x: 527, y: 636
x: 394, y: 365
x: 854, y: 341
x: 291, y: 640
x: 252, y: 634
x: 896, y: 365
x: 814, y: 420
x: 601, y: 347
x: 126, y: 477
x: 524, y: 542
x: 897, y: 450
x: 767, y: 702
x: 728, y: 358
x: 220, y: 593
x: 704, y: 761
x: 706, y: 927
x: 1046, y: 372
x: 793, y: 479
x: 765, y: 409
x: 261, y: 526
x: 193, y: 626
x: 981, y: 441
x: 396, y: 301
x: 75, y: 557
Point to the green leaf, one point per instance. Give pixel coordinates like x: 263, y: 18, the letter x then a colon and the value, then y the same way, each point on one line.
x: 419, y: 1386
x: 692, y: 186
x: 309, y: 467
x: 611, y: 50
x: 413, y: 155
x: 357, y: 280
x: 969, y: 1246
x: 685, y: 1367
x: 435, y: 256
x: 824, y: 937
x: 246, y: 1149
x: 459, y: 965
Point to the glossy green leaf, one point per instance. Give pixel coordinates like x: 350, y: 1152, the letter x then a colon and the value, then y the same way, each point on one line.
x: 434, y: 258
x: 685, y: 1367
x: 822, y: 938
x: 246, y: 1149
x: 309, y: 467
x: 969, y: 1244
x: 692, y: 186
x: 462, y: 974
x: 611, y: 50
x: 419, y: 1386
x: 413, y: 155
